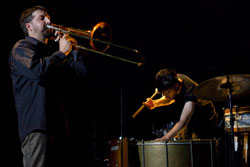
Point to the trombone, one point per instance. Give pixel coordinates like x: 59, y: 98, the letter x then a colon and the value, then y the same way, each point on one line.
x: 100, y: 40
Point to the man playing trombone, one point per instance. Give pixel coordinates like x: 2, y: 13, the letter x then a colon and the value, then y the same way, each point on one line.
x: 37, y: 73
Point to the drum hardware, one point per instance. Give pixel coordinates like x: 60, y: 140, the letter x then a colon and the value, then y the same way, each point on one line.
x: 118, y: 153
x: 225, y: 88
x: 242, y: 131
x: 245, y: 147
x: 241, y: 117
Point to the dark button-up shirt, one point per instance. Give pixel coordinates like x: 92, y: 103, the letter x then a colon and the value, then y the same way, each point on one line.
x: 32, y: 68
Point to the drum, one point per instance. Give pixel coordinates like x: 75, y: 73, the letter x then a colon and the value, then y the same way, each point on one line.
x: 152, y: 153
x: 245, y: 148
x: 241, y: 119
x: 118, y: 153
x: 182, y: 153
x: 241, y: 149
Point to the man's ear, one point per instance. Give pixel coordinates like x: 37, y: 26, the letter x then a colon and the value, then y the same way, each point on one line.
x: 28, y: 26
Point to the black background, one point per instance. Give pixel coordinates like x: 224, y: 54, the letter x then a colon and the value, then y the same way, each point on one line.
x: 202, y: 39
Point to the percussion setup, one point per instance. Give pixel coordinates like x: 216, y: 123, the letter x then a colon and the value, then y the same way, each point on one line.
x: 126, y: 152
x: 237, y: 121
x: 174, y: 153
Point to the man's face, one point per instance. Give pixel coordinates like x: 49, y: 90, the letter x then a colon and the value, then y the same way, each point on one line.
x: 169, y: 93
x: 37, y: 27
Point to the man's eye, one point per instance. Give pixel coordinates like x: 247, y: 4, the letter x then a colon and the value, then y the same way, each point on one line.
x: 42, y: 17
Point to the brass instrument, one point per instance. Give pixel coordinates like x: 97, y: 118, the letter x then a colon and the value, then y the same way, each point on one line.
x: 100, y: 40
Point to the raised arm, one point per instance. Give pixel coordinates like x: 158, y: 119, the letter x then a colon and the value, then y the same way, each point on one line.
x: 186, y: 114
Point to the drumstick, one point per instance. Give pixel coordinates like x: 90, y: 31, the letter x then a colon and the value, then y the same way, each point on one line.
x: 139, y: 110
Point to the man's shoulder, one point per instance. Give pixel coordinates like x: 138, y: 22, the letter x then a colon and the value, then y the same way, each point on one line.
x: 187, y: 81
x: 20, y: 47
x: 28, y: 41
x: 21, y: 43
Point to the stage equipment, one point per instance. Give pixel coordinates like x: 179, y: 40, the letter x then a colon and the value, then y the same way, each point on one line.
x: 241, y: 119
x: 219, y: 88
x: 226, y: 88
x: 189, y: 153
x: 100, y: 40
x: 178, y: 153
x: 140, y: 109
x: 118, y: 152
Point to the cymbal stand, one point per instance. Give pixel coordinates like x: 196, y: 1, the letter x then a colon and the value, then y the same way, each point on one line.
x: 228, y: 86
x: 232, y: 128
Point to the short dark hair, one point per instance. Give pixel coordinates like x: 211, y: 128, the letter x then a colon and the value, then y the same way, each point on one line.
x: 26, y: 17
x: 165, y: 79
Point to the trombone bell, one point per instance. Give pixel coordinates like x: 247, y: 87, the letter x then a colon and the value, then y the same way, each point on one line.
x: 101, y: 31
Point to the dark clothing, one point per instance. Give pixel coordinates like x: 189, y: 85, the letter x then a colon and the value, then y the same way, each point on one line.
x: 202, y: 120
x: 199, y: 123
x: 187, y: 90
x: 35, y: 76
x: 180, y: 99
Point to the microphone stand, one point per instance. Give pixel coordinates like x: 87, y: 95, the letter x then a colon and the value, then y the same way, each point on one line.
x: 121, y: 125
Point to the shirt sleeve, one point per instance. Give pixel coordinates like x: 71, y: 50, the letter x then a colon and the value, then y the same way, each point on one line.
x: 32, y: 63
x: 189, y: 96
x: 77, y: 64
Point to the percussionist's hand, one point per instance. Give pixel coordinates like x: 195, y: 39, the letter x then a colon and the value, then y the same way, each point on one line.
x: 150, y: 104
x: 161, y: 139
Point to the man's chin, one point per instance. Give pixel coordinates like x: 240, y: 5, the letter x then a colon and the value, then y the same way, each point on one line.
x: 48, y: 33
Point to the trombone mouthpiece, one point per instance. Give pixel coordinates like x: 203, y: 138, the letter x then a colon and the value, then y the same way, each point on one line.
x: 49, y: 26
x: 54, y: 27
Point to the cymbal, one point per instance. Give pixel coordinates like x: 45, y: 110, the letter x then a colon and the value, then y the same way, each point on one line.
x: 217, y: 89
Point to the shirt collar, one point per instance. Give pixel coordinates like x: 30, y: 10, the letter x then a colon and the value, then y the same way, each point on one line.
x: 33, y: 40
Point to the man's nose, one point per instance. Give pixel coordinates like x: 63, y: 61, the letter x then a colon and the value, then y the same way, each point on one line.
x: 47, y: 20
